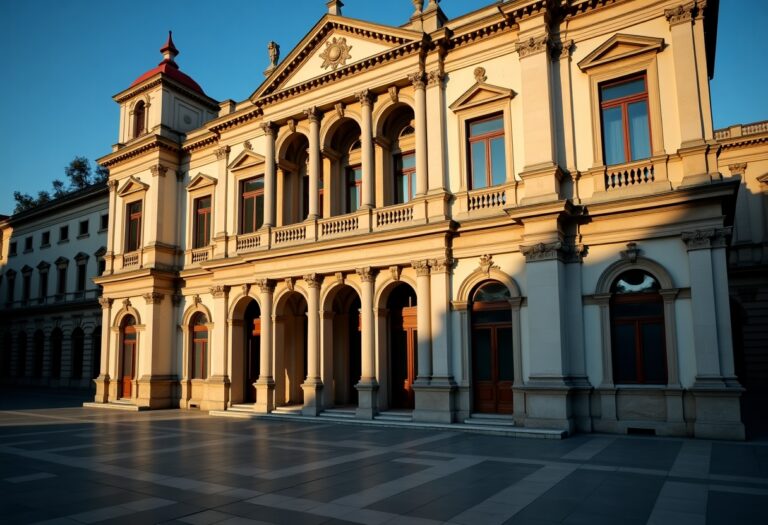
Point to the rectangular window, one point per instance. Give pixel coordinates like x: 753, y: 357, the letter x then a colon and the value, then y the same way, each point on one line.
x: 251, y: 205
x: 405, y: 177
x: 61, y: 285
x: 104, y: 222
x: 12, y: 248
x: 199, y: 349
x: 487, y: 154
x: 46, y: 240
x: 28, y: 244
x: 83, y: 228
x: 26, y: 286
x: 133, y: 226
x: 43, y: 286
x: 81, y: 269
x: 625, y: 120
x: 64, y: 234
x: 202, y: 230
x: 354, y: 188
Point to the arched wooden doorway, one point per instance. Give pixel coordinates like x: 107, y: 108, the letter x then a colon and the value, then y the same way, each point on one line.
x: 346, y: 346
x: 128, y: 347
x: 251, y: 349
x: 492, y: 349
x: 290, y: 349
x: 401, y: 305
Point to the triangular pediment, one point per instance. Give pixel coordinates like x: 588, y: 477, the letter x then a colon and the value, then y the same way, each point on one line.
x: 481, y: 93
x: 621, y: 46
x: 132, y: 185
x: 246, y: 159
x: 201, y: 180
x: 335, y: 43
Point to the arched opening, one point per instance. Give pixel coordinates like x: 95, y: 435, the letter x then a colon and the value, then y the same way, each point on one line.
x: 346, y: 343
x: 198, y: 353
x: 21, y: 355
x: 78, y: 352
x: 290, y: 349
x: 57, y: 340
x: 637, y: 329
x: 346, y: 168
x: 38, y: 355
x: 401, y: 308
x: 139, y: 119
x: 492, y: 349
x: 399, y: 159
x: 128, y: 349
x: 95, y: 352
x: 294, y: 205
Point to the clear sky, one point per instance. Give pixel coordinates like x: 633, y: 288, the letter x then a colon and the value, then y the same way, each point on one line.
x: 62, y: 60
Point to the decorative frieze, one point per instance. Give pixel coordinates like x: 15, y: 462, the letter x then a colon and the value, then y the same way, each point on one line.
x: 706, y: 238
x: 681, y: 14
x: 367, y: 274
x: 153, y: 297
x: 532, y: 46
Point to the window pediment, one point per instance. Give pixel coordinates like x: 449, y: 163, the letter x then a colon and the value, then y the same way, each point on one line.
x: 132, y: 185
x: 619, y: 47
x: 201, y: 180
x: 246, y: 159
x: 481, y: 93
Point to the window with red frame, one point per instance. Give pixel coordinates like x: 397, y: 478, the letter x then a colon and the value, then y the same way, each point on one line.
x: 405, y: 177
x: 251, y: 204
x: 199, y: 346
x: 487, y: 157
x: 625, y: 121
x: 202, y: 230
x: 354, y: 188
x: 133, y: 226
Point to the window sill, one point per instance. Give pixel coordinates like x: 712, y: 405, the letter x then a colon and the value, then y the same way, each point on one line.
x: 43, y: 246
x: 83, y: 235
x: 63, y: 241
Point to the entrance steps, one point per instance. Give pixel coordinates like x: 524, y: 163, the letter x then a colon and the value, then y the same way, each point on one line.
x: 118, y: 404
x: 490, y: 420
x: 396, y: 416
x: 339, y: 413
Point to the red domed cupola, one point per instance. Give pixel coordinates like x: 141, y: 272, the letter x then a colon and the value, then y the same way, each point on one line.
x: 169, y: 68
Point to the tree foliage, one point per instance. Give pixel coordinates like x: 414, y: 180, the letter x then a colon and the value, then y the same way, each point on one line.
x: 79, y: 174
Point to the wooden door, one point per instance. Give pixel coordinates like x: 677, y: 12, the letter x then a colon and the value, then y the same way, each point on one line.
x: 403, y: 351
x: 129, y: 361
x: 492, y: 362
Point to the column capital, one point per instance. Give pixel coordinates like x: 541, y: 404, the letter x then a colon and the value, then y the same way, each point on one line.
x: 153, y: 297
x: 219, y: 291
x: 112, y: 185
x: 265, y: 285
x: 541, y: 251
x: 313, y: 280
x: 738, y: 168
x: 105, y: 302
x: 681, y: 14
x: 312, y: 114
x: 367, y: 274
x: 441, y: 265
x: 222, y: 152
x: 435, y: 77
x: 158, y: 170
x: 706, y: 238
x: 561, y: 50
x: 532, y: 45
x: 365, y: 97
x: 421, y: 267
x: 417, y: 79
x: 268, y: 128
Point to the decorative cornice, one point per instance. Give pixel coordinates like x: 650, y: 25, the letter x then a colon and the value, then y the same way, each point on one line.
x: 681, y: 14
x: 417, y: 79
x: 706, y: 238
x: 153, y: 297
x: 313, y: 280
x: 532, y: 46
x: 367, y: 274
x: 222, y: 152
x: 219, y: 291
x: 421, y: 267
x: 150, y: 146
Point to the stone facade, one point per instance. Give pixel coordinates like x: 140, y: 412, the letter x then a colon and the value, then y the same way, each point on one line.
x: 458, y: 218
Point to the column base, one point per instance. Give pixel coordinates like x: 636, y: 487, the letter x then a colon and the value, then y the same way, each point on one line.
x: 435, y: 401
x: 217, y: 390
x: 313, y: 400
x: 265, y: 396
x: 102, y: 389
x: 367, y: 399
x: 718, y: 413
x: 155, y: 391
x: 548, y: 403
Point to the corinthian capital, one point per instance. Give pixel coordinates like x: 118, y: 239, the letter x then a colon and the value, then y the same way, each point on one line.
x: 367, y: 274
x: 222, y: 152
x: 158, y: 170
x: 265, y: 285
x: 312, y: 114
x: 365, y: 98
x: 681, y: 14
x: 417, y: 79
x: 268, y: 128
x: 532, y: 46
x: 313, y: 280
x: 706, y: 238
x: 421, y: 267
x: 105, y: 302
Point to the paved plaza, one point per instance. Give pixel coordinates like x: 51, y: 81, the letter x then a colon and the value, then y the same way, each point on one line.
x: 60, y: 463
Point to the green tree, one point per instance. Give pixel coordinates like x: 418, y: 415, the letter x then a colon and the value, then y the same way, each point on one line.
x: 79, y: 173
x: 24, y: 201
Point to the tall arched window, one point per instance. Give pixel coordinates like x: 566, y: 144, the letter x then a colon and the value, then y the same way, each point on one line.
x: 139, y: 119
x: 199, y: 350
x: 56, y: 340
x: 492, y: 349
x: 78, y: 350
x: 637, y: 329
x: 39, y: 353
x: 129, y: 340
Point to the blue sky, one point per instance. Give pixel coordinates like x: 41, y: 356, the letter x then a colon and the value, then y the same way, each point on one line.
x: 63, y: 60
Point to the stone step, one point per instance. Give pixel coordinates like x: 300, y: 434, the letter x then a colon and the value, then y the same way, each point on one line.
x: 116, y: 405
x: 490, y: 422
x: 346, y: 413
x: 394, y: 416
x: 289, y: 410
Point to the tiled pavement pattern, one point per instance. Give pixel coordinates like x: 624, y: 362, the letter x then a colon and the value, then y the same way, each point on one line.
x: 72, y: 465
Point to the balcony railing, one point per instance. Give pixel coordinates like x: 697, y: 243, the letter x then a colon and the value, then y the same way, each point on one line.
x: 289, y: 234
x: 487, y: 199
x: 248, y: 242
x: 131, y: 260
x: 200, y: 255
x: 394, y: 216
x: 629, y: 175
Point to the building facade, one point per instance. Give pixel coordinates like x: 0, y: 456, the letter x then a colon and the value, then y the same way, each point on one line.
x: 516, y: 214
x: 50, y: 319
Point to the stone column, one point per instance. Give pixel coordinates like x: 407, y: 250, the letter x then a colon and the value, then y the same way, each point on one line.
x: 435, y: 102
x: 315, y: 162
x: 155, y: 196
x: 218, y: 380
x: 103, y: 379
x: 423, y: 324
x: 313, y: 385
x: 219, y: 211
x: 109, y: 256
x: 265, y: 386
x: 269, y: 174
x: 366, y: 148
x: 367, y: 388
x: 420, y: 96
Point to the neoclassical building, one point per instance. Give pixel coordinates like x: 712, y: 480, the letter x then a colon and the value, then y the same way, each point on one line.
x: 50, y: 320
x: 515, y: 216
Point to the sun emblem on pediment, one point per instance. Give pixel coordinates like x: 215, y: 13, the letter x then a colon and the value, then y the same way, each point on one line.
x: 336, y: 53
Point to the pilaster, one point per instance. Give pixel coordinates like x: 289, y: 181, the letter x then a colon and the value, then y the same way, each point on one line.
x: 313, y: 385
x: 265, y: 385
x: 368, y: 386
